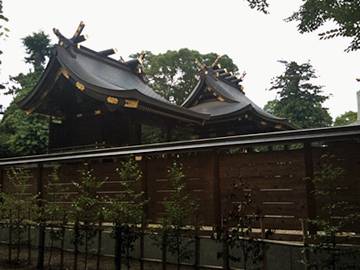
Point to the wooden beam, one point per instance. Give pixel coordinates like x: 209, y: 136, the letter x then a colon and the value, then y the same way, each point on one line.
x: 216, y: 187
x: 309, y: 174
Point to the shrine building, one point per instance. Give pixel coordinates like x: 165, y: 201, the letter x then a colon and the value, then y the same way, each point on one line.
x: 94, y: 100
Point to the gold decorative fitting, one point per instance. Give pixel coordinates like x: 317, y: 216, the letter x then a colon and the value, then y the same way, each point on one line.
x: 97, y: 112
x: 61, y: 43
x: 63, y: 72
x: 112, y: 100
x: 79, y: 115
x: 131, y: 103
x: 239, y: 118
x: 246, y: 116
x: 263, y: 123
x: 225, y: 69
x: 206, y: 72
x: 80, y: 86
x: 138, y: 158
x: 30, y: 111
x: 217, y: 74
x: 216, y: 60
x: 242, y: 87
x: 208, y: 88
x: 231, y: 73
x: 221, y: 99
x: 278, y: 126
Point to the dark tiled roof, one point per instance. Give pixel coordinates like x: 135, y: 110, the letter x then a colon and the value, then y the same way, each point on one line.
x: 99, y: 77
x: 219, y: 94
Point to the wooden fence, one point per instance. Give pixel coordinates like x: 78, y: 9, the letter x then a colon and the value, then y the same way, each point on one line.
x: 275, y: 171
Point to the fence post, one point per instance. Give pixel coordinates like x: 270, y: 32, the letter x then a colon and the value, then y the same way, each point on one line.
x: 216, y: 187
x: 224, y: 246
x: 76, y: 242
x: 40, y: 205
x: 99, y: 243
x: 10, y: 234
x: 144, y: 188
x: 310, y: 198
x: 304, y: 227
x: 264, y: 249
x: 62, y: 244
x: 29, y: 238
x: 197, y: 243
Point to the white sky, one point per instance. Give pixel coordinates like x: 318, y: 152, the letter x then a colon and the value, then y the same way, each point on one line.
x: 253, y: 40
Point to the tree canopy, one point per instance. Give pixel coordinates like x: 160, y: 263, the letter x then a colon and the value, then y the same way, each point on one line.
x: 22, y: 134
x: 299, y: 101
x: 173, y: 74
x: 313, y: 14
x: 346, y: 118
x: 346, y: 14
x: 3, y: 30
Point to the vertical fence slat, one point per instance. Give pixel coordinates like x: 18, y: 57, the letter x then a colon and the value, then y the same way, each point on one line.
x: 216, y: 187
x: 40, y: 204
x: 310, y: 198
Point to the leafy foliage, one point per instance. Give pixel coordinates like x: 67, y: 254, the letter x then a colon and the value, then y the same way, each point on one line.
x: 126, y: 211
x: 3, y: 30
x: 173, y: 74
x: 346, y: 118
x: 38, y: 49
x: 86, y: 208
x: 260, y: 5
x: 23, y: 134
x: 179, y: 208
x: 346, y: 14
x: 299, y: 101
x: 236, y: 231
x: 333, y: 223
x: 16, y: 207
x: 52, y: 213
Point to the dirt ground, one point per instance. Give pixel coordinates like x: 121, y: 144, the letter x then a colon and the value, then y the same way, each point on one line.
x: 106, y: 263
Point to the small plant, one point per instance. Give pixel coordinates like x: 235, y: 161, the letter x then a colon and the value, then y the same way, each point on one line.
x: 236, y: 231
x: 87, y: 211
x: 175, y: 224
x: 333, y: 223
x: 126, y: 211
x: 16, y: 207
x: 52, y: 212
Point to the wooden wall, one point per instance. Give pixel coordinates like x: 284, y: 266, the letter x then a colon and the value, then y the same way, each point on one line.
x: 275, y: 180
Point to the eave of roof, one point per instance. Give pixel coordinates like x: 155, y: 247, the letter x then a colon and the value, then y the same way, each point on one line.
x: 102, y: 77
x: 230, y: 100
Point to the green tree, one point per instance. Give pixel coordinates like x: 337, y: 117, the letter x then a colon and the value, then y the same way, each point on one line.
x: 313, y: 14
x: 329, y: 244
x: 23, y: 134
x: 346, y: 15
x: 126, y: 211
x: 179, y: 209
x: 16, y: 207
x: 86, y: 209
x: 346, y: 118
x: 3, y: 30
x: 174, y: 74
x: 299, y: 101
